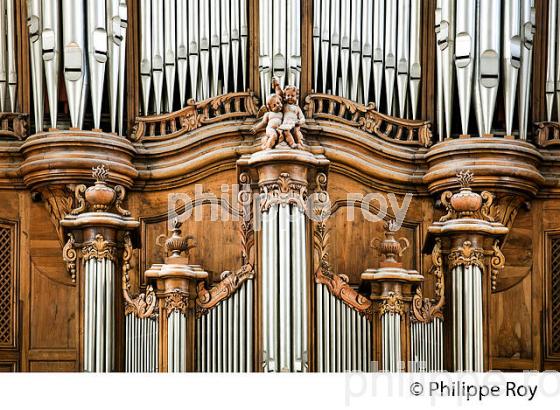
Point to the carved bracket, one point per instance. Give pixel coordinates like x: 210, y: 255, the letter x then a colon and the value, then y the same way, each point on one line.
x: 423, y: 310
x: 497, y: 264
x: 70, y: 256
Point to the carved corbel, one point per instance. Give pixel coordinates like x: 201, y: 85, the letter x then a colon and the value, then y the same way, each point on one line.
x: 99, y: 248
x: 466, y: 255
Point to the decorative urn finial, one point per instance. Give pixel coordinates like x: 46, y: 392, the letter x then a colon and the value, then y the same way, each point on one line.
x: 390, y: 248
x: 466, y: 202
x: 100, y: 196
x: 176, y: 244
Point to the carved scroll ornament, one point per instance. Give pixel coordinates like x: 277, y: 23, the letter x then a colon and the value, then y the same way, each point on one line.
x: 337, y: 284
x: 497, y: 263
x: 70, y: 255
x: 423, y: 310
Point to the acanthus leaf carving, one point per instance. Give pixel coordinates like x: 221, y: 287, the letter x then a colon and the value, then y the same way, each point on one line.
x: 423, y: 309
x: 392, y: 303
x: 497, y: 263
x: 283, y: 191
x: 178, y: 300
x: 466, y: 255
x: 99, y: 248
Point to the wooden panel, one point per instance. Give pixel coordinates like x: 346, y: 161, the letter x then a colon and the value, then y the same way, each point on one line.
x: 52, y: 366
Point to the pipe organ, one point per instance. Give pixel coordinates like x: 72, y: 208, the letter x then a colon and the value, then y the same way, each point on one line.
x: 199, y: 60
x: 57, y: 37
x: 426, y: 345
x: 279, y: 43
x: 481, y: 44
x: 376, y: 44
x: 225, y: 334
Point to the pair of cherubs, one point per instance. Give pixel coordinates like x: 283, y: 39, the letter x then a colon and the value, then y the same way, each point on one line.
x: 283, y: 119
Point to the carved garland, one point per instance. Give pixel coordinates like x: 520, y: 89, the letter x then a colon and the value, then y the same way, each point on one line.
x: 497, y: 263
x: 283, y: 191
x: 231, y: 281
x: 337, y: 284
x: 423, y: 310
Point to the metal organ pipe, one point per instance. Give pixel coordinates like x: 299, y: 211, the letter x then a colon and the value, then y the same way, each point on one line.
x: 157, y: 52
x: 550, y: 57
x: 527, y: 32
x: 3, y: 54
x: 51, y: 54
x: 170, y: 53
x: 464, y: 57
x: 34, y: 24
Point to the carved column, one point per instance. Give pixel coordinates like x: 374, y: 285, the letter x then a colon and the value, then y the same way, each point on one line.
x: 391, y: 290
x: 95, y: 231
x: 176, y: 289
x: 469, y: 239
x: 283, y: 178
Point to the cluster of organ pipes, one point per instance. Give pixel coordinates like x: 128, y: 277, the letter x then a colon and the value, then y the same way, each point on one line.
x: 8, y: 70
x: 467, y: 318
x: 225, y: 334
x: 200, y: 46
x: 279, y: 43
x: 426, y: 345
x: 99, y: 314
x: 176, y: 341
x: 344, y: 336
x: 361, y: 48
x: 142, y: 343
x: 552, y: 87
x: 480, y: 44
x: 88, y: 39
x: 284, y: 285
x: 391, y: 360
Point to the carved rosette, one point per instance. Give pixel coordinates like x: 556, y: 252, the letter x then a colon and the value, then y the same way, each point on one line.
x: 392, y: 303
x: 177, y: 299
x: 497, y: 263
x: 283, y: 191
x: 337, y: 283
x: 423, y: 309
x: 99, y: 248
x: 466, y: 255
x: 70, y: 255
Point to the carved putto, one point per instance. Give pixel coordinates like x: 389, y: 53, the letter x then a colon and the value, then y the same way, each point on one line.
x: 100, y: 197
x: 466, y: 203
x: 283, y: 119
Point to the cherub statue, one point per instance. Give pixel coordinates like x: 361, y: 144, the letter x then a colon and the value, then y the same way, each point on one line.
x: 272, y: 120
x: 293, y: 115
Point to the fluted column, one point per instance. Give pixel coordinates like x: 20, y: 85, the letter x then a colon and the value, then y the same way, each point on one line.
x: 470, y: 238
x: 96, y: 229
x: 391, y: 289
x: 176, y: 289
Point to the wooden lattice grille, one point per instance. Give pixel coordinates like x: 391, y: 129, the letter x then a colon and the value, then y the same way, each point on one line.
x: 7, y: 285
x: 555, y: 295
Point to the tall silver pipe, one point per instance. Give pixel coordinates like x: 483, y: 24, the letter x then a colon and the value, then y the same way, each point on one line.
x: 478, y: 325
x: 511, y: 58
x: 51, y: 54
x: 304, y: 297
x: 464, y: 57
x: 194, y: 46
x: 244, y: 40
x: 316, y: 34
x: 170, y: 342
x: 170, y: 50
x: 110, y: 314
x: 114, y: 37
x: 3, y: 56
x: 204, y: 47
x: 11, y: 45
x: 355, y: 47
x: 235, y: 42
x: 332, y: 334
x: 447, y: 46
x: 157, y: 52
x: 367, y: 46
x: 215, y: 45
x: 390, y: 53
x: 439, y: 74
x: 249, y: 337
x: 230, y: 350
x: 221, y: 337
x: 293, y: 41
x: 97, y: 49
x: 327, y: 332
x: 468, y: 317
x: 344, y: 366
x: 279, y: 41
x: 339, y: 311
x: 415, y: 55
x: 297, y: 298
x: 266, y: 324
x: 285, y: 299
x: 378, y: 49
x: 87, y: 315
x: 146, y: 52
x: 236, y: 319
x: 34, y: 24
x: 344, y: 46
x: 265, y: 46
x: 325, y: 41
x: 489, y: 56
x: 320, y: 337
x: 403, y: 53
x: 550, y: 57
x: 123, y: 14
x: 527, y: 33
x: 334, y: 43
x: 225, y: 46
